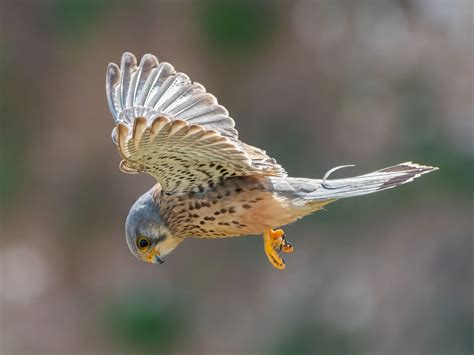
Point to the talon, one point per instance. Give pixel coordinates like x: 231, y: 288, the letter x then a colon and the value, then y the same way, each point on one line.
x: 287, y: 247
x: 274, y: 243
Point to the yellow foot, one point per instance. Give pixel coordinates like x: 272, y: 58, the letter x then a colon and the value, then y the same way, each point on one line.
x: 275, y: 242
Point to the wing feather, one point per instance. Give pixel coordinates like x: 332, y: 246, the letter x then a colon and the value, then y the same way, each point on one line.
x: 153, y: 89
x: 128, y: 68
x: 162, y: 72
x: 112, y: 83
x: 171, y: 128
x: 148, y: 64
x: 182, y: 157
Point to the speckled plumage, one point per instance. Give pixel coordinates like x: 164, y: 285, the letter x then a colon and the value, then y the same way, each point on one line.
x: 237, y: 206
x: 209, y: 183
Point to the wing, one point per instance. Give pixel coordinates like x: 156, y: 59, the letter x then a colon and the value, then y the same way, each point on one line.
x: 152, y: 89
x: 174, y: 130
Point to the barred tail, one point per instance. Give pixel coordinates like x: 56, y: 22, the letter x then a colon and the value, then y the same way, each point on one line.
x: 365, y: 184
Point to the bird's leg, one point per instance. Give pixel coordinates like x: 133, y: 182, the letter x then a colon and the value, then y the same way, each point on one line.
x: 275, y: 242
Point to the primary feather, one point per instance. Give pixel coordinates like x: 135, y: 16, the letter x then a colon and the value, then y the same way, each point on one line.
x: 174, y: 130
x: 153, y: 89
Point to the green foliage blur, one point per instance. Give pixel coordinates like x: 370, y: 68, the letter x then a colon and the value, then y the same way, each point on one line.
x: 236, y: 27
x: 144, y: 323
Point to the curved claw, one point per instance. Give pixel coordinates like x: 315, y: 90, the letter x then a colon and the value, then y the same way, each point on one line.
x: 287, y: 247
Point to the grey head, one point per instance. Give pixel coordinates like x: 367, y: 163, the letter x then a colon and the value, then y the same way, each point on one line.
x: 147, y: 236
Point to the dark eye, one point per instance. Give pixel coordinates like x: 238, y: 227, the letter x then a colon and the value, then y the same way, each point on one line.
x: 143, y: 243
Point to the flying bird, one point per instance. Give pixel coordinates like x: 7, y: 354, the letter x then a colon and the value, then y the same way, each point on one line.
x: 209, y: 183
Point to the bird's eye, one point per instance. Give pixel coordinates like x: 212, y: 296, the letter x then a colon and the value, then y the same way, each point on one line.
x: 143, y: 243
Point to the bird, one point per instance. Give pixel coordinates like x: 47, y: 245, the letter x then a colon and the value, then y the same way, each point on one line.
x: 210, y: 184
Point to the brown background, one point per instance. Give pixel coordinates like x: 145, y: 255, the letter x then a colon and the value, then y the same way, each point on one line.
x: 315, y: 83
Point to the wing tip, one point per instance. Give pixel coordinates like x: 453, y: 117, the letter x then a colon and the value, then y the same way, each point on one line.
x: 149, y: 58
x: 122, y: 85
x: 128, y: 58
x: 113, y: 70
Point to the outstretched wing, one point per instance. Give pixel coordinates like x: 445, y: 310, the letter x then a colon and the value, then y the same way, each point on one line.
x: 152, y: 89
x: 174, y: 130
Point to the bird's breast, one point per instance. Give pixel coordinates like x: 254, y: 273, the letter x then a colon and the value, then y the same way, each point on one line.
x: 236, y: 207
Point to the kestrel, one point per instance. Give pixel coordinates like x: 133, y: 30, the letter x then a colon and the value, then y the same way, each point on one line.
x: 209, y: 183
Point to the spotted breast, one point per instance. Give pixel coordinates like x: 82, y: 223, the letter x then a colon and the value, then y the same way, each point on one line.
x: 235, y: 207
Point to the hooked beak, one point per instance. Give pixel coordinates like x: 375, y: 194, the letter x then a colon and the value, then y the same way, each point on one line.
x: 158, y: 260
x: 154, y: 257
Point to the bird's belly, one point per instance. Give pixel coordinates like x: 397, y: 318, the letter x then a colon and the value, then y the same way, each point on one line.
x: 236, y: 208
x: 231, y: 217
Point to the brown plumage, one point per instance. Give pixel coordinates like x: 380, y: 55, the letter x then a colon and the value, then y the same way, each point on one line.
x: 238, y: 206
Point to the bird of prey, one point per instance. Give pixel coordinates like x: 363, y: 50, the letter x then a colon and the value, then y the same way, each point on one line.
x: 209, y: 183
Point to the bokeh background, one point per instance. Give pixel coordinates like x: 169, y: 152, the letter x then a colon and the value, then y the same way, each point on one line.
x: 317, y: 84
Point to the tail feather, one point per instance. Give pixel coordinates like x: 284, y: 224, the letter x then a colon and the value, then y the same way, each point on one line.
x: 365, y: 184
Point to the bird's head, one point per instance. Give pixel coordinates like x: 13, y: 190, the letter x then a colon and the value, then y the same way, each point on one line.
x: 147, y: 235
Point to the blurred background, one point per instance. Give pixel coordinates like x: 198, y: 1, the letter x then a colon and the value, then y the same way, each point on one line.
x: 315, y: 83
